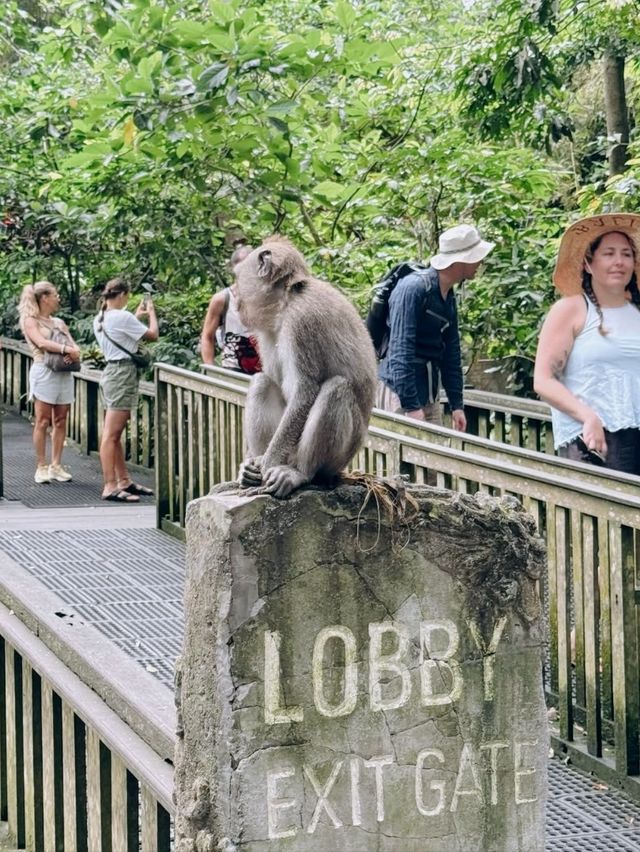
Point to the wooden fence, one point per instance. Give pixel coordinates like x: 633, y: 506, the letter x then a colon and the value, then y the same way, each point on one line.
x: 589, y: 517
x: 590, y: 520
x: 73, y: 775
x: 84, y: 426
x: 510, y: 420
x: 501, y: 418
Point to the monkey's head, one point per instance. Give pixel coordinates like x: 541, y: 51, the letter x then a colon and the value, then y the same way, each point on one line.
x: 265, y: 278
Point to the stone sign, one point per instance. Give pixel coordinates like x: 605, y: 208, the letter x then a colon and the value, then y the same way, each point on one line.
x: 351, y: 683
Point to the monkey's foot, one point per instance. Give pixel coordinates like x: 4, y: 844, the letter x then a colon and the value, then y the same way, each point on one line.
x: 250, y: 474
x: 282, y: 479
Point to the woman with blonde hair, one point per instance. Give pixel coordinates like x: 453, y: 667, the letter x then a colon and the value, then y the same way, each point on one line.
x: 52, y: 392
x: 118, y: 332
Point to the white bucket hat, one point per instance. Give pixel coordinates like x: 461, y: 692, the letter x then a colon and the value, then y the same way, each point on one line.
x: 460, y: 244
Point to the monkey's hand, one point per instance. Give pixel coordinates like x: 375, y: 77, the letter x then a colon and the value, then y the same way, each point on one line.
x: 282, y: 479
x: 250, y: 474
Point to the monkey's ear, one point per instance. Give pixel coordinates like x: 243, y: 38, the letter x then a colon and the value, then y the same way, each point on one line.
x: 265, y: 264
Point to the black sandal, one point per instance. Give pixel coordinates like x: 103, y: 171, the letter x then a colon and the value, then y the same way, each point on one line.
x: 140, y: 490
x: 120, y: 495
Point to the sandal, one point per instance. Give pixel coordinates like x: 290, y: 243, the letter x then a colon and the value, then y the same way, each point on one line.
x: 136, y: 488
x: 120, y: 495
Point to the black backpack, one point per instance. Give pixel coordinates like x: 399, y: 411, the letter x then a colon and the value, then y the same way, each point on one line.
x: 378, y: 315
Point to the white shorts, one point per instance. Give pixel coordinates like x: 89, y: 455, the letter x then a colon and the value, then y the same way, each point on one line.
x: 47, y: 386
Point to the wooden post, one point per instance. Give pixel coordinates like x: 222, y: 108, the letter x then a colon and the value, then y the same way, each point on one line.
x: 29, y: 770
x: 624, y: 632
x: 69, y: 772
x: 162, y: 457
x: 94, y: 811
x: 48, y: 771
x: 12, y: 757
x: 592, y: 637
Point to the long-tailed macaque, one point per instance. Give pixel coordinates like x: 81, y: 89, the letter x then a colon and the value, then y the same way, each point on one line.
x: 307, y: 412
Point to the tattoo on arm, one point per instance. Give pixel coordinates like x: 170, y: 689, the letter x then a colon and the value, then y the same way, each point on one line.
x: 558, y: 365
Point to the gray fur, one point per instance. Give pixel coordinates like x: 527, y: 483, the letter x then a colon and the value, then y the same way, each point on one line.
x: 308, y: 411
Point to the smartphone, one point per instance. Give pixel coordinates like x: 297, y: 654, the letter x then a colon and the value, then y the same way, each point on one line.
x: 592, y: 456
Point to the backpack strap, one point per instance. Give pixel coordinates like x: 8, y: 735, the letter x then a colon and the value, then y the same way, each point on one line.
x: 419, y: 269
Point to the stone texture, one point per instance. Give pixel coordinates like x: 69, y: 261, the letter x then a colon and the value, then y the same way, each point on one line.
x: 348, y: 683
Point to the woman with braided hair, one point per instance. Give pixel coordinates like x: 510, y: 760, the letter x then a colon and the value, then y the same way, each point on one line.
x: 588, y: 360
x: 118, y: 332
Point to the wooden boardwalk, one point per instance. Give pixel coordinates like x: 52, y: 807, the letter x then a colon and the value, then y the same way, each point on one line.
x: 109, y: 566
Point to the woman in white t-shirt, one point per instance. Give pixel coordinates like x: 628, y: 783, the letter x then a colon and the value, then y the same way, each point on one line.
x: 118, y: 332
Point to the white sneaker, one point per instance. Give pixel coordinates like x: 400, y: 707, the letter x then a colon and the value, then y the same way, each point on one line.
x: 57, y: 472
x: 42, y: 474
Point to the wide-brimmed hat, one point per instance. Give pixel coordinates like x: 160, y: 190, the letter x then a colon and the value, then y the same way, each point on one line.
x: 575, y: 241
x: 460, y: 244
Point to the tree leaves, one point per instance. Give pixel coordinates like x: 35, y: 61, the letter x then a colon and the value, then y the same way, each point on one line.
x: 90, y: 154
x: 143, y: 136
x: 213, y: 77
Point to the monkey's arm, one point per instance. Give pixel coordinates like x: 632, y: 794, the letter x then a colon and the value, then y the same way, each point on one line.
x: 250, y: 474
x: 282, y: 447
x: 211, y: 323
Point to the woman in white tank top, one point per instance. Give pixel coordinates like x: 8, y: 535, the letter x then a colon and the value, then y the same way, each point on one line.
x: 222, y: 325
x: 588, y: 360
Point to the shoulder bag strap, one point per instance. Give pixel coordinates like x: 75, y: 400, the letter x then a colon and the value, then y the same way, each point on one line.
x: 115, y: 342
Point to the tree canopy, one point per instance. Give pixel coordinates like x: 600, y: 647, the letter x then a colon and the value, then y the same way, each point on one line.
x: 141, y: 138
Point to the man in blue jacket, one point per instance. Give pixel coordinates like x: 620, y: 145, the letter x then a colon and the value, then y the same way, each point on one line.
x: 424, y: 341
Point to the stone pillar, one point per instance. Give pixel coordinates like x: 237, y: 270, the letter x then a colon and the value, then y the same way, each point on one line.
x: 351, y: 684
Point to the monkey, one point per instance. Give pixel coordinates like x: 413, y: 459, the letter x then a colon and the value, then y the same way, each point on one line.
x: 307, y: 413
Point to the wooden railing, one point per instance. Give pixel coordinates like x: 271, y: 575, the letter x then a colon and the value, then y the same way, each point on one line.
x: 590, y: 520
x: 508, y: 419
x: 73, y: 775
x: 84, y: 425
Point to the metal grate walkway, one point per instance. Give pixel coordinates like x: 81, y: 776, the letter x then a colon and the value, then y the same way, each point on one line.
x: 125, y: 582
x: 128, y: 582
x: 19, y: 467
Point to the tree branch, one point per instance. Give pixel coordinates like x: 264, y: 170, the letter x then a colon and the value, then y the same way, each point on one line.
x: 309, y: 223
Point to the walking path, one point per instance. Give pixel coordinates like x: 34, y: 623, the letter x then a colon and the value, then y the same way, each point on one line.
x: 110, y: 567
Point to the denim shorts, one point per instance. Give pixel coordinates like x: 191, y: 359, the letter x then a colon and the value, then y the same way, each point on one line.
x: 119, y: 385
x: 47, y: 386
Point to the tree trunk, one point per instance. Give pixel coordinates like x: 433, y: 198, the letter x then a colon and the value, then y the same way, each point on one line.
x: 615, y: 103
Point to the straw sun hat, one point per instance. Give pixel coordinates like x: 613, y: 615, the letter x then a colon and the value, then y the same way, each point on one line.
x: 576, y: 240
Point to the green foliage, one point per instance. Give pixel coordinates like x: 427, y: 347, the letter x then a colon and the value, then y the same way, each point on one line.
x: 142, y: 138
x: 517, y: 77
